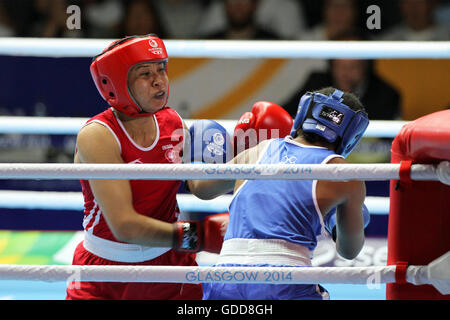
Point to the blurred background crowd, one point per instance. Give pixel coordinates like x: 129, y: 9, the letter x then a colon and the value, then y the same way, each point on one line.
x: 228, y: 19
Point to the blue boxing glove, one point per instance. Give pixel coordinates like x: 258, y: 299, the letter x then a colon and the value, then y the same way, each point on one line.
x: 330, y: 220
x: 210, y: 142
x: 330, y: 223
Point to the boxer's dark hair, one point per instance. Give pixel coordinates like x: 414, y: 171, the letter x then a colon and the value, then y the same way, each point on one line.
x: 349, y: 99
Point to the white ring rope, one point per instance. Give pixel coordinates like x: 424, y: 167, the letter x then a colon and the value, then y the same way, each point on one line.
x: 436, y: 273
x: 443, y: 172
x: 335, y: 172
x: 51, y: 47
x: 181, y: 274
x: 66, y: 125
x: 54, y: 200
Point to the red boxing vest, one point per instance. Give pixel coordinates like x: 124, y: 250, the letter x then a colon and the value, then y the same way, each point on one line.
x: 152, y: 198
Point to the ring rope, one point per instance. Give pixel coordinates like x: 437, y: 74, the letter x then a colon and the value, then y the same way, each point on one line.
x: 336, y: 172
x: 56, y: 200
x: 436, y: 273
x: 184, y: 274
x: 67, y: 125
x: 50, y: 47
x: 181, y: 274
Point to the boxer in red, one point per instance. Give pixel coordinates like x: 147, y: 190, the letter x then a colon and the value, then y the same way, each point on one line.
x: 136, y: 222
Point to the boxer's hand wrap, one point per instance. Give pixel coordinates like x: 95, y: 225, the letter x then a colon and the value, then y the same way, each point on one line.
x: 330, y: 220
x: 187, y: 236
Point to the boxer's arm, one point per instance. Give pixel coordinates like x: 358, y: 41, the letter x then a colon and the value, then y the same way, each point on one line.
x: 95, y: 144
x: 349, y: 221
x: 210, y: 189
x: 348, y: 197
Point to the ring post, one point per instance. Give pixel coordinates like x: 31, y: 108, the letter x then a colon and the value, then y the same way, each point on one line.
x: 419, y: 219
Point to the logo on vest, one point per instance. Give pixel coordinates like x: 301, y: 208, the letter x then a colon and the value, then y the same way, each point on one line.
x: 171, y: 155
x: 289, y: 160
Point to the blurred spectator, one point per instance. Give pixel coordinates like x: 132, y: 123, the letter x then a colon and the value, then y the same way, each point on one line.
x: 283, y: 17
x: 50, y: 19
x: 381, y: 100
x: 241, y: 22
x: 312, y: 12
x: 103, y: 17
x: 338, y: 17
x: 442, y: 13
x: 6, y: 26
x: 180, y: 18
x: 141, y: 18
x: 418, y: 23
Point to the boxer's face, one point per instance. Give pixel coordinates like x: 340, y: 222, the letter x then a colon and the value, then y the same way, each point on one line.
x: 148, y: 83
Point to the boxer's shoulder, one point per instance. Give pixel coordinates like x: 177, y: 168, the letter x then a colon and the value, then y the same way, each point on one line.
x: 95, y: 138
x: 252, y: 155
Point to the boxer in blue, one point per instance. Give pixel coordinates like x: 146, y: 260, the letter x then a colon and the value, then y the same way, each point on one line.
x: 277, y: 222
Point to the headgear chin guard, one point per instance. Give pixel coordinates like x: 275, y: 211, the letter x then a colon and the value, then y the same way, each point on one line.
x: 110, y: 69
x: 330, y: 119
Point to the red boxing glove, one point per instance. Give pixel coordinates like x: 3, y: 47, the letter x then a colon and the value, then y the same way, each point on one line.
x: 206, y: 235
x: 214, y: 228
x: 267, y: 120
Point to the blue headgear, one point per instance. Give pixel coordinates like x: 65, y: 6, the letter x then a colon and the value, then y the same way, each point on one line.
x: 329, y: 118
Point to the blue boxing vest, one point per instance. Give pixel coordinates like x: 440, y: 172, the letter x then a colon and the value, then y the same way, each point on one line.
x: 274, y: 213
x: 280, y: 209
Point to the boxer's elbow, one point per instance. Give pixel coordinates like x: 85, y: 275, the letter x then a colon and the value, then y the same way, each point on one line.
x: 124, y: 229
x: 123, y: 233
x: 210, y: 189
x: 348, y: 253
x: 349, y: 247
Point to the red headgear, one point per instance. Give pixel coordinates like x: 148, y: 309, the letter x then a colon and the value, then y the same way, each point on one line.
x: 110, y: 69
